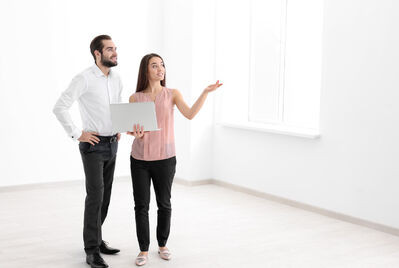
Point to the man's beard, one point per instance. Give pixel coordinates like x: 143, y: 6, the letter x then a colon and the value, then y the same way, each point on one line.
x: 107, y: 63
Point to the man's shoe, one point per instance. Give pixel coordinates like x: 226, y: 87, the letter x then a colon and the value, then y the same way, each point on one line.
x: 105, y: 249
x: 95, y: 261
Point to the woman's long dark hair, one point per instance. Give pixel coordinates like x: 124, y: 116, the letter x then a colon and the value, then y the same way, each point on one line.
x: 142, y: 80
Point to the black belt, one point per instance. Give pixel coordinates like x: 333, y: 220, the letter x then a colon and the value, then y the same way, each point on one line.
x: 108, y: 139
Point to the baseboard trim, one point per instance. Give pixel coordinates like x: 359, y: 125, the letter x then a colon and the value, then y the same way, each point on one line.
x: 39, y: 185
x: 192, y: 183
x: 296, y: 204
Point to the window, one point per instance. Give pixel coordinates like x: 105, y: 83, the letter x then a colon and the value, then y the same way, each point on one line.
x: 268, y: 54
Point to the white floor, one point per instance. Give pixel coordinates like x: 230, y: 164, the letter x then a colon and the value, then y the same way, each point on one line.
x: 41, y: 226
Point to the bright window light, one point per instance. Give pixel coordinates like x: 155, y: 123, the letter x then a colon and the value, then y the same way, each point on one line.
x: 268, y: 54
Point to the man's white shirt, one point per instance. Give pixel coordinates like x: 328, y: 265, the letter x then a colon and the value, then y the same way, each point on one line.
x: 94, y: 92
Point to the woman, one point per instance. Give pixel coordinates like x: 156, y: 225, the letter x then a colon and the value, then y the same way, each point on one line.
x: 153, y: 153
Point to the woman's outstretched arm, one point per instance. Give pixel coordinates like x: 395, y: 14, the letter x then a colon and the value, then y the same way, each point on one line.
x: 188, y: 112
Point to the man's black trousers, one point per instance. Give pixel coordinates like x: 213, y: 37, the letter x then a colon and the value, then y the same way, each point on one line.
x: 99, y: 165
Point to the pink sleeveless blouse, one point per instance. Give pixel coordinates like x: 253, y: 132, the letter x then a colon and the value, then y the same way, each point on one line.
x: 157, y: 145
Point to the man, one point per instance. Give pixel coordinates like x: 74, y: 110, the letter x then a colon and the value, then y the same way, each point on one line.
x: 94, y: 89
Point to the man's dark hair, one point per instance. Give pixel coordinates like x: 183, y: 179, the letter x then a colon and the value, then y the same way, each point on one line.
x: 97, y: 44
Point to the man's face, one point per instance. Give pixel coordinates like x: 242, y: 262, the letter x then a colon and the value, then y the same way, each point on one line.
x: 109, y: 57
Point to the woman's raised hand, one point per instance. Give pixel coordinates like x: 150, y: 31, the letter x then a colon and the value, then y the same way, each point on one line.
x: 212, y: 87
x: 138, y: 131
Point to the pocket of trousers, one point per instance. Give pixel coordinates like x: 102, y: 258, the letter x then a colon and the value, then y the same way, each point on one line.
x: 84, y: 147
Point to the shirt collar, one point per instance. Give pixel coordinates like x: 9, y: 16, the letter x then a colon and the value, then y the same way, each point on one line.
x: 98, y: 72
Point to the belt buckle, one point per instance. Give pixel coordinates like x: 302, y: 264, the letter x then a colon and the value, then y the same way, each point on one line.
x: 113, y: 139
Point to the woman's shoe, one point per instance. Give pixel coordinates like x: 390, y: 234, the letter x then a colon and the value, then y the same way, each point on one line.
x: 164, y: 254
x: 141, y: 259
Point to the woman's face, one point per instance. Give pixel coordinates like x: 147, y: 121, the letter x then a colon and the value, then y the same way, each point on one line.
x: 156, y: 69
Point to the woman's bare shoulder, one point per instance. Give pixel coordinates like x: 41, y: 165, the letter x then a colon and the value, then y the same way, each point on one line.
x: 175, y: 91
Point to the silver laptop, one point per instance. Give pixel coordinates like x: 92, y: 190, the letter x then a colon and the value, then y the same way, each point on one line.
x: 125, y: 115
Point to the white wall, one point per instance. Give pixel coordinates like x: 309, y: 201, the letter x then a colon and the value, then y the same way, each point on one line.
x: 352, y: 168
x: 189, y: 57
x: 44, y: 44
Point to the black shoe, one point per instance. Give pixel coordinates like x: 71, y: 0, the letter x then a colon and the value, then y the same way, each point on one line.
x: 95, y: 261
x: 105, y: 249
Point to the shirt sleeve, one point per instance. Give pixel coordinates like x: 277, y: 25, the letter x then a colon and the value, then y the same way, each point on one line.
x: 64, y: 103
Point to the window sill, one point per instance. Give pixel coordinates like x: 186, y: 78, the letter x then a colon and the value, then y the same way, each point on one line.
x: 276, y: 129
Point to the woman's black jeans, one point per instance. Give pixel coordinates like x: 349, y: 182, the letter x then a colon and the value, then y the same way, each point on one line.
x: 161, y: 172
